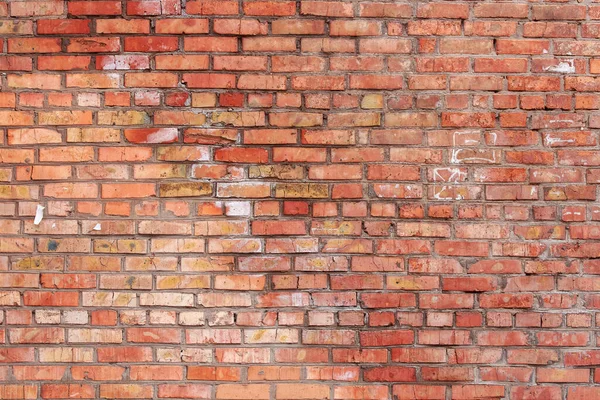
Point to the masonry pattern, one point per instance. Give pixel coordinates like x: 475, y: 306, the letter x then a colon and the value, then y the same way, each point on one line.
x: 299, y: 200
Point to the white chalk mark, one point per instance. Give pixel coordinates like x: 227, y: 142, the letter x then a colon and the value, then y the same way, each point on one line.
x: 455, y: 175
x: 456, y: 151
x: 437, y: 194
x: 568, y: 121
x: 552, y: 140
x: 454, y: 157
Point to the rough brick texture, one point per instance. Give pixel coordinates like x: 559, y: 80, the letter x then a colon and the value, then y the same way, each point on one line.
x: 250, y: 199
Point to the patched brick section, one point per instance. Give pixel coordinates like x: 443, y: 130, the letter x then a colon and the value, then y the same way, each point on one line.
x: 299, y: 199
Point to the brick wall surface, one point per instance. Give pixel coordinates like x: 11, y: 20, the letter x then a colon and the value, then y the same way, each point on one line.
x: 299, y: 200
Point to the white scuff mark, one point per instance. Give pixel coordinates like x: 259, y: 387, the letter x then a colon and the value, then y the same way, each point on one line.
x: 552, y: 140
x: 97, y: 227
x: 544, y: 51
x: 346, y: 375
x: 39, y: 214
x: 297, y: 299
x: 53, y: 226
x: 237, y: 208
x: 567, y: 67
x: 569, y: 121
x: 109, y: 63
x: 494, y: 138
x: 164, y: 135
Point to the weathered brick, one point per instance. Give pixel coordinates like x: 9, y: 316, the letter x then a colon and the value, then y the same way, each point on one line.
x: 271, y: 217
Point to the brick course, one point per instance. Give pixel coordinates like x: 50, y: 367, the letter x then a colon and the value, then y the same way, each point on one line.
x: 249, y: 199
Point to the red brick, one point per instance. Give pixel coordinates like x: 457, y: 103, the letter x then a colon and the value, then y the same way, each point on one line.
x: 265, y: 8
x: 119, y: 25
x: 298, y: 27
x: 77, y: 391
x: 153, y: 335
x: 326, y: 8
x: 36, y: 8
x: 15, y: 63
x: 360, y: 175
x: 93, y: 45
x: 390, y: 374
x: 34, y: 45
x: 95, y: 8
x: 505, y: 10
x: 151, y: 44
x: 63, y: 63
x: 63, y: 27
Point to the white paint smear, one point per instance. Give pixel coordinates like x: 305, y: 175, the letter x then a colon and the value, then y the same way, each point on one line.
x: 567, y: 67
x: 39, y: 214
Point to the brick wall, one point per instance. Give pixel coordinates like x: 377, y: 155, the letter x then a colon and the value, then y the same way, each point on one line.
x: 299, y: 200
